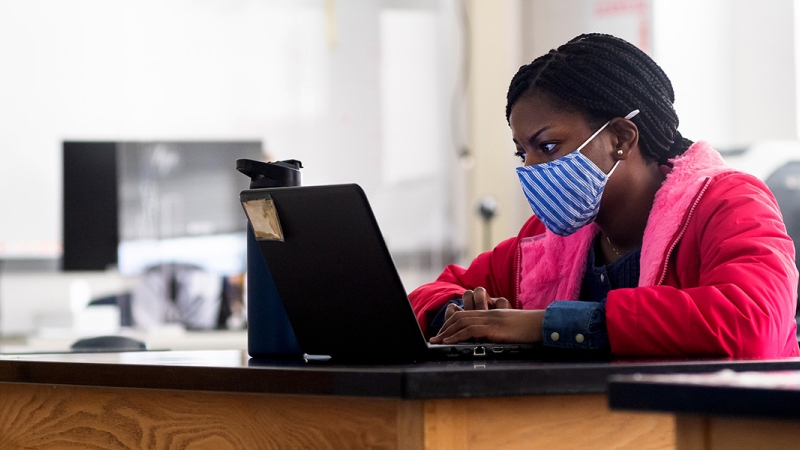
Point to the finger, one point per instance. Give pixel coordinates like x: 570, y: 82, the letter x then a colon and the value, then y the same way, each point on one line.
x: 502, y: 303
x: 467, y: 299
x: 452, y: 308
x: 451, y: 326
x: 480, y: 299
x: 509, y: 325
x: 453, y: 320
x: 461, y: 319
x: 478, y: 331
x: 449, y: 320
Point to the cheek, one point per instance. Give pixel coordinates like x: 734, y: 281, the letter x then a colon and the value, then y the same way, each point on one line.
x: 600, y: 155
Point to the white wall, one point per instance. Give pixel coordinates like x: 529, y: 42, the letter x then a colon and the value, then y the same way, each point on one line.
x: 36, y: 301
x: 96, y: 69
x: 307, y: 83
x: 303, y: 76
x: 732, y: 65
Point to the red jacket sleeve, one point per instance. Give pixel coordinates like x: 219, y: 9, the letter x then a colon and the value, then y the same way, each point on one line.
x: 731, y: 286
x: 495, y: 270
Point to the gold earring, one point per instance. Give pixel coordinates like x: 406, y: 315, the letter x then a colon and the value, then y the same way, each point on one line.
x: 619, y: 152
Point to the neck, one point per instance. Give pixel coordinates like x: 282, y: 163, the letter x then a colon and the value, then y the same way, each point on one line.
x: 624, y: 220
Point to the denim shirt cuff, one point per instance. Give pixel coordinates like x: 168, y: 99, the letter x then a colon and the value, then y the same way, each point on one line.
x: 575, y: 324
x: 438, y: 321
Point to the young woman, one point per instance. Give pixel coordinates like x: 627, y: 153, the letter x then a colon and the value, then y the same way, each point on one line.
x: 642, y: 242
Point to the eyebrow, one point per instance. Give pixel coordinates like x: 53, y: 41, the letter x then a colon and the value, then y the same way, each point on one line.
x: 534, y: 136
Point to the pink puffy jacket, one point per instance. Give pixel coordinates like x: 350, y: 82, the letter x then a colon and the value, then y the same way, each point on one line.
x: 717, y: 272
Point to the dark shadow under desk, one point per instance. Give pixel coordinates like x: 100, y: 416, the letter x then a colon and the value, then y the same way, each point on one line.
x: 225, y: 400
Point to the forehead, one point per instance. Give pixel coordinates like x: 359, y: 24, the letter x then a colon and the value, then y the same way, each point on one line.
x: 538, y: 110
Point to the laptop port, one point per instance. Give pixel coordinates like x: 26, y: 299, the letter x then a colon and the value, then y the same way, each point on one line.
x: 479, y: 351
x: 514, y: 348
x: 497, y: 349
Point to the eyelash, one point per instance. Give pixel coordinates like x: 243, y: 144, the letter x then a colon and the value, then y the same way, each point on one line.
x: 542, y: 147
x: 545, y: 144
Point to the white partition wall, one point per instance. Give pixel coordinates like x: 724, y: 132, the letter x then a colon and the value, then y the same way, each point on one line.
x: 733, y: 66
x: 360, y: 92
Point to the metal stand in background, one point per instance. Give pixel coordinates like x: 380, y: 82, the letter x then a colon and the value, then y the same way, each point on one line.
x: 487, y: 208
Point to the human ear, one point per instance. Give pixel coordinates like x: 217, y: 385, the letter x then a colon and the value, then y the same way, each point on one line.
x: 625, y: 137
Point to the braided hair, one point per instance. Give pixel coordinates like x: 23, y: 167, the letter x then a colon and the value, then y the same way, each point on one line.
x: 606, y: 77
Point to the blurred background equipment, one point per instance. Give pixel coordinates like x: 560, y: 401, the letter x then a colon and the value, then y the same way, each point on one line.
x: 487, y: 209
x: 132, y: 205
x: 179, y: 294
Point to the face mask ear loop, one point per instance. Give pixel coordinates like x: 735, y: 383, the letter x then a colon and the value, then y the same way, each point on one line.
x: 593, y: 136
x: 613, y: 169
x: 630, y: 116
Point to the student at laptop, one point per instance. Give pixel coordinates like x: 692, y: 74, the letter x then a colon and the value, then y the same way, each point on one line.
x: 643, y: 242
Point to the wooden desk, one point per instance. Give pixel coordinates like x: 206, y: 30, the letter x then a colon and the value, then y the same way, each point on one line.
x: 224, y: 400
x: 724, y: 410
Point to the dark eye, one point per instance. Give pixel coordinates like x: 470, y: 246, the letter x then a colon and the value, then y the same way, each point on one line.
x: 520, y: 154
x: 547, y: 147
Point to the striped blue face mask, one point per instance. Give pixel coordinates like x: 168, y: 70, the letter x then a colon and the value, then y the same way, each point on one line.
x: 565, y: 193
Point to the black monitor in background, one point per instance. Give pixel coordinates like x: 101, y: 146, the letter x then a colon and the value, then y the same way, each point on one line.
x: 157, y: 200
x: 90, y: 219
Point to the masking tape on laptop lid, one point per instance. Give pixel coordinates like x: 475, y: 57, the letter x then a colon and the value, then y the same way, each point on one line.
x: 264, y: 218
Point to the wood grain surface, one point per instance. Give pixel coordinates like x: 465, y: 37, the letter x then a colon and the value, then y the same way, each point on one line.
x: 68, y: 417
x: 75, y: 417
x: 691, y: 432
x: 548, y: 422
x: 697, y: 432
x: 728, y: 433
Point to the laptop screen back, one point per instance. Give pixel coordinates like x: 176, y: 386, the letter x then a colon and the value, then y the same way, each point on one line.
x: 334, y: 272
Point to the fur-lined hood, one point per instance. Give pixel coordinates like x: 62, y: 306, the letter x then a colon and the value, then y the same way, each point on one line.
x: 552, y: 266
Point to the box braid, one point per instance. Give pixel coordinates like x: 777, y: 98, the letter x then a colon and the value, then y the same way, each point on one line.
x: 606, y: 77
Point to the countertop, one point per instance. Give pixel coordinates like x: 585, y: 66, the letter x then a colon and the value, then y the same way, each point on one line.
x: 235, y: 371
x: 724, y: 393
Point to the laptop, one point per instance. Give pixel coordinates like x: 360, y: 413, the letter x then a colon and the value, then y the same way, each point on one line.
x: 337, y: 280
